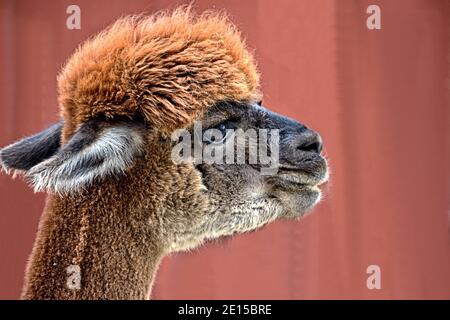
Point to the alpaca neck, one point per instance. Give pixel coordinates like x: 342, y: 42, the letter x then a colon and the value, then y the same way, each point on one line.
x: 102, y: 247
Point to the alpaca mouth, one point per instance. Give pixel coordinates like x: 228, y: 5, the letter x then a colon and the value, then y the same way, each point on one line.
x: 298, y: 191
x: 305, y: 171
x: 303, y: 178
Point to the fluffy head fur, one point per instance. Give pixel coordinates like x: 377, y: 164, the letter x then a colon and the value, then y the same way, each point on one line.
x: 168, y: 67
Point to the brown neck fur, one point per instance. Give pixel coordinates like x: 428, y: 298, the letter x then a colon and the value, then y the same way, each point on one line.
x: 110, y: 230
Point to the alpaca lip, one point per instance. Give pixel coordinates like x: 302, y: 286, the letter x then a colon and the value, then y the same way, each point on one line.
x: 303, y: 178
x: 306, y: 171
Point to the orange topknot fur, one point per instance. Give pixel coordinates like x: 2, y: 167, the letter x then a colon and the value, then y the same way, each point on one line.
x: 168, y: 67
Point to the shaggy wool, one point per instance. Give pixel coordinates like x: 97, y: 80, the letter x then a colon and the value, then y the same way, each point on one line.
x: 168, y: 68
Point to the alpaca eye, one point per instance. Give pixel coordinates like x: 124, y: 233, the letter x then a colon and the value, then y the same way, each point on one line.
x: 222, y: 127
x: 219, y: 133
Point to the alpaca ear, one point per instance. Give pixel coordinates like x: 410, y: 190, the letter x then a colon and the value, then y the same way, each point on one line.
x: 26, y: 153
x: 98, y: 149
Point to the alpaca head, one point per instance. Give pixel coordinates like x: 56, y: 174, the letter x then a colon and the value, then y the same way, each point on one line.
x: 126, y: 94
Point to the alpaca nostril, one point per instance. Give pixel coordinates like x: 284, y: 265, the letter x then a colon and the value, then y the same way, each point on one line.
x: 312, y: 147
x: 310, y: 141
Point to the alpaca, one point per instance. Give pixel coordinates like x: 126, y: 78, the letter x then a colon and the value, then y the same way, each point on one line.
x: 117, y: 202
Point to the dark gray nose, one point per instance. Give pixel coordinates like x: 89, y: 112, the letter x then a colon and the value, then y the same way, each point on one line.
x: 308, y: 140
x: 294, y: 135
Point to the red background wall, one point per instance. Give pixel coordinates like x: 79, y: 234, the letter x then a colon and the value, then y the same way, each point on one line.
x: 380, y: 99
